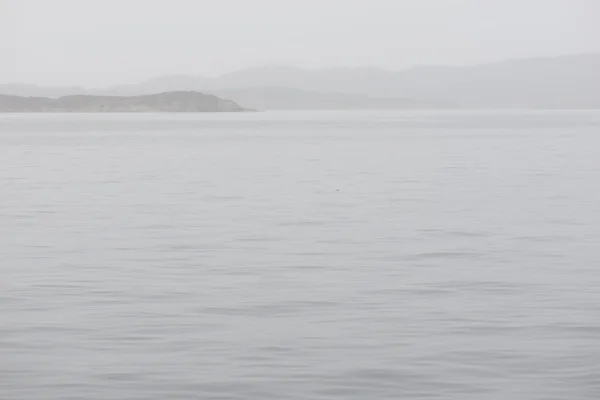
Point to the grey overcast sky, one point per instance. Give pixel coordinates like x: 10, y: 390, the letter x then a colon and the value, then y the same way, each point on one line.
x: 103, y: 42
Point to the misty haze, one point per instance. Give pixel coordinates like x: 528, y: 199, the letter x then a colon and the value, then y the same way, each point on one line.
x: 334, y: 199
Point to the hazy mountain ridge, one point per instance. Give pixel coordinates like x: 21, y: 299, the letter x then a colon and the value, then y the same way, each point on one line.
x: 281, y: 98
x: 162, y: 102
x: 552, y: 82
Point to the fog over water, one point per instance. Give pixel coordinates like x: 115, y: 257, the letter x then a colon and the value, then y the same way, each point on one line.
x: 89, y: 43
x: 415, y: 214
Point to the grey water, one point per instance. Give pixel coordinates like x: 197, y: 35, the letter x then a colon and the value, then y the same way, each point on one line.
x: 301, y: 255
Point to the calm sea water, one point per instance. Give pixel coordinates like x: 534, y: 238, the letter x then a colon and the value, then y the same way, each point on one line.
x: 332, y: 255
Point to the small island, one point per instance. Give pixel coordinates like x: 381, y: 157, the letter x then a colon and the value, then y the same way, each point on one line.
x: 179, y: 101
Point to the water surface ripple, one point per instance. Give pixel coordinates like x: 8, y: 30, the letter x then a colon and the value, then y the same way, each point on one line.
x: 332, y: 255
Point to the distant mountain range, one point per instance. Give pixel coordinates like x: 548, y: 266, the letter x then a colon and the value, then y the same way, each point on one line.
x: 162, y: 102
x: 553, y: 82
x: 279, y: 98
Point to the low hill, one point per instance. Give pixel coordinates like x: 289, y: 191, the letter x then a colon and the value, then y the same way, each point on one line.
x: 163, y: 102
